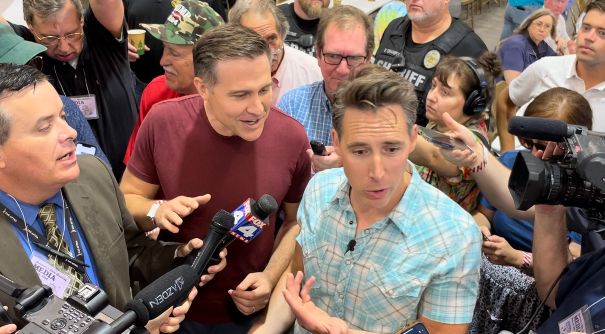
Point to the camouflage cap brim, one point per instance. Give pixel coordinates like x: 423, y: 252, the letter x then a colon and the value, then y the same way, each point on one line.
x: 187, y: 22
x: 160, y: 32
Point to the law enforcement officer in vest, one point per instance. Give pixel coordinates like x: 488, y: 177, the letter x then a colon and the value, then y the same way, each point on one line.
x: 414, y: 44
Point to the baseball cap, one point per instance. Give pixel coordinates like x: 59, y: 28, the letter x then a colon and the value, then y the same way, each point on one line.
x: 14, y: 49
x: 187, y: 22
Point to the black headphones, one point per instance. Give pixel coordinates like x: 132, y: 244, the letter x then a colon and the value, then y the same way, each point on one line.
x: 476, y: 102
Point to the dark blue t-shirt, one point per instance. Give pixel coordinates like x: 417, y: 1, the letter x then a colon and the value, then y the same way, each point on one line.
x: 582, y: 284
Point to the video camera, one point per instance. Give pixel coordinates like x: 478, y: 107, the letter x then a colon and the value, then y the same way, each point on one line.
x: 574, y: 179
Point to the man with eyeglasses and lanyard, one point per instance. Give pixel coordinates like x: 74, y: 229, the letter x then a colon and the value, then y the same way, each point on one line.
x: 14, y: 49
x: 86, y: 59
x: 290, y: 68
x: 345, y: 40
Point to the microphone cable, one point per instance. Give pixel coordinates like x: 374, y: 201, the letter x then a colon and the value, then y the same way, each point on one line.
x: 541, y: 305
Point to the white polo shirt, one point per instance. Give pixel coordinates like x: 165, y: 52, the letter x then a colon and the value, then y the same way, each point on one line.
x: 296, y: 69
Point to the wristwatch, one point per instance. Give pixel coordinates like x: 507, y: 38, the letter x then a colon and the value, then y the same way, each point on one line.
x: 153, y: 210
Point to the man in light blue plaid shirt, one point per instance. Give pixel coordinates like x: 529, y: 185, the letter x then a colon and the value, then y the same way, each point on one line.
x: 344, y: 41
x: 384, y: 247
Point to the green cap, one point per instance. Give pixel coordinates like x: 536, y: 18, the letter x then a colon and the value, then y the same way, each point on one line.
x: 14, y: 49
x: 187, y: 22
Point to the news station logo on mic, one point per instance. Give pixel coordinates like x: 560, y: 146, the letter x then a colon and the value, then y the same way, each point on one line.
x: 247, y: 226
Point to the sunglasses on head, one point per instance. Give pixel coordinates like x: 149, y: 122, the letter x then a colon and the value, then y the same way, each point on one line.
x: 530, y: 144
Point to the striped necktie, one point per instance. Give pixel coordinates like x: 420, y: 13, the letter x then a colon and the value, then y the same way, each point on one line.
x: 56, y: 241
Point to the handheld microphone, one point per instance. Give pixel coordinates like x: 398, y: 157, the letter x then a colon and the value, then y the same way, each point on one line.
x: 539, y: 128
x: 199, y: 259
x: 171, y: 289
x: 245, y: 223
x: 250, y: 216
x: 249, y: 222
x: 306, y: 41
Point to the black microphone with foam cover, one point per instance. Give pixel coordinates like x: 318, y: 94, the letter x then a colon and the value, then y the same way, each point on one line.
x: 261, y: 209
x: 264, y: 207
x: 200, y: 259
x: 539, y: 128
x: 171, y: 289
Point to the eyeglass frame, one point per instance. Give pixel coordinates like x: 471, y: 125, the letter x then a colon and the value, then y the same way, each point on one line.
x: 36, y: 62
x: 57, y: 39
x: 346, y: 58
x: 540, y: 25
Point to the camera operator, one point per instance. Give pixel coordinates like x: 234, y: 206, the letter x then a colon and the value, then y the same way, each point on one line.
x: 578, y: 292
x: 63, y: 219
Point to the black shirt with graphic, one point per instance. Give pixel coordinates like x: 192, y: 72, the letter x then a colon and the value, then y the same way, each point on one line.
x: 302, y: 33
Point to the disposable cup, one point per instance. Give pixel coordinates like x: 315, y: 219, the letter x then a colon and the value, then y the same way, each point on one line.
x: 136, y: 37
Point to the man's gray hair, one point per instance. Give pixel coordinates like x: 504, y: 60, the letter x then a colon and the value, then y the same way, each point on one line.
x: 242, y: 7
x: 46, y: 8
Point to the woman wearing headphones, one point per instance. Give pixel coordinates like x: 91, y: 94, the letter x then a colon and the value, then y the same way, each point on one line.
x: 463, y: 88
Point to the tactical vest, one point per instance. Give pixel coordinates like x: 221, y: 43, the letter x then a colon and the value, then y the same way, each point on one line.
x: 417, y: 64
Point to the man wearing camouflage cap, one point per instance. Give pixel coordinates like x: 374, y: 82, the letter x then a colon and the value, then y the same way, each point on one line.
x: 187, y: 22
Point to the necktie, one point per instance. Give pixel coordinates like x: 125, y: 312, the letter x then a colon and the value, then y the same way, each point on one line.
x: 56, y: 241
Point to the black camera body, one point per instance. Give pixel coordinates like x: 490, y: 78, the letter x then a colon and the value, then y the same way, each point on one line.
x: 88, y: 311
x: 577, y: 178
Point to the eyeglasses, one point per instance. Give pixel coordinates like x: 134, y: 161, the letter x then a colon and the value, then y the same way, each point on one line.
x: 336, y: 59
x: 37, y: 62
x: 540, y: 24
x: 530, y: 144
x: 54, y: 40
x: 275, y: 52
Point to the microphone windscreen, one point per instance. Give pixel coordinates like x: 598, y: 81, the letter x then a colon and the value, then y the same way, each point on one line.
x: 538, y: 128
x: 223, y: 220
x: 306, y: 41
x: 265, y: 206
x: 140, y: 310
x: 168, y: 290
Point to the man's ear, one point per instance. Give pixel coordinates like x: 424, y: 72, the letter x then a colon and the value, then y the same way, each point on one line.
x: 200, y: 87
x: 336, y: 141
x: 2, y: 158
x: 413, y: 137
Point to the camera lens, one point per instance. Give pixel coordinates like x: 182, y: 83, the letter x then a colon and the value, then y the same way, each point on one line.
x: 534, y: 181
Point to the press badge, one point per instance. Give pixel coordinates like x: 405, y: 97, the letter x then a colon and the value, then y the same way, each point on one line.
x: 579, y: 321
x: 51, y: 276
x: 87, y: 105
x: 82, y: 148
